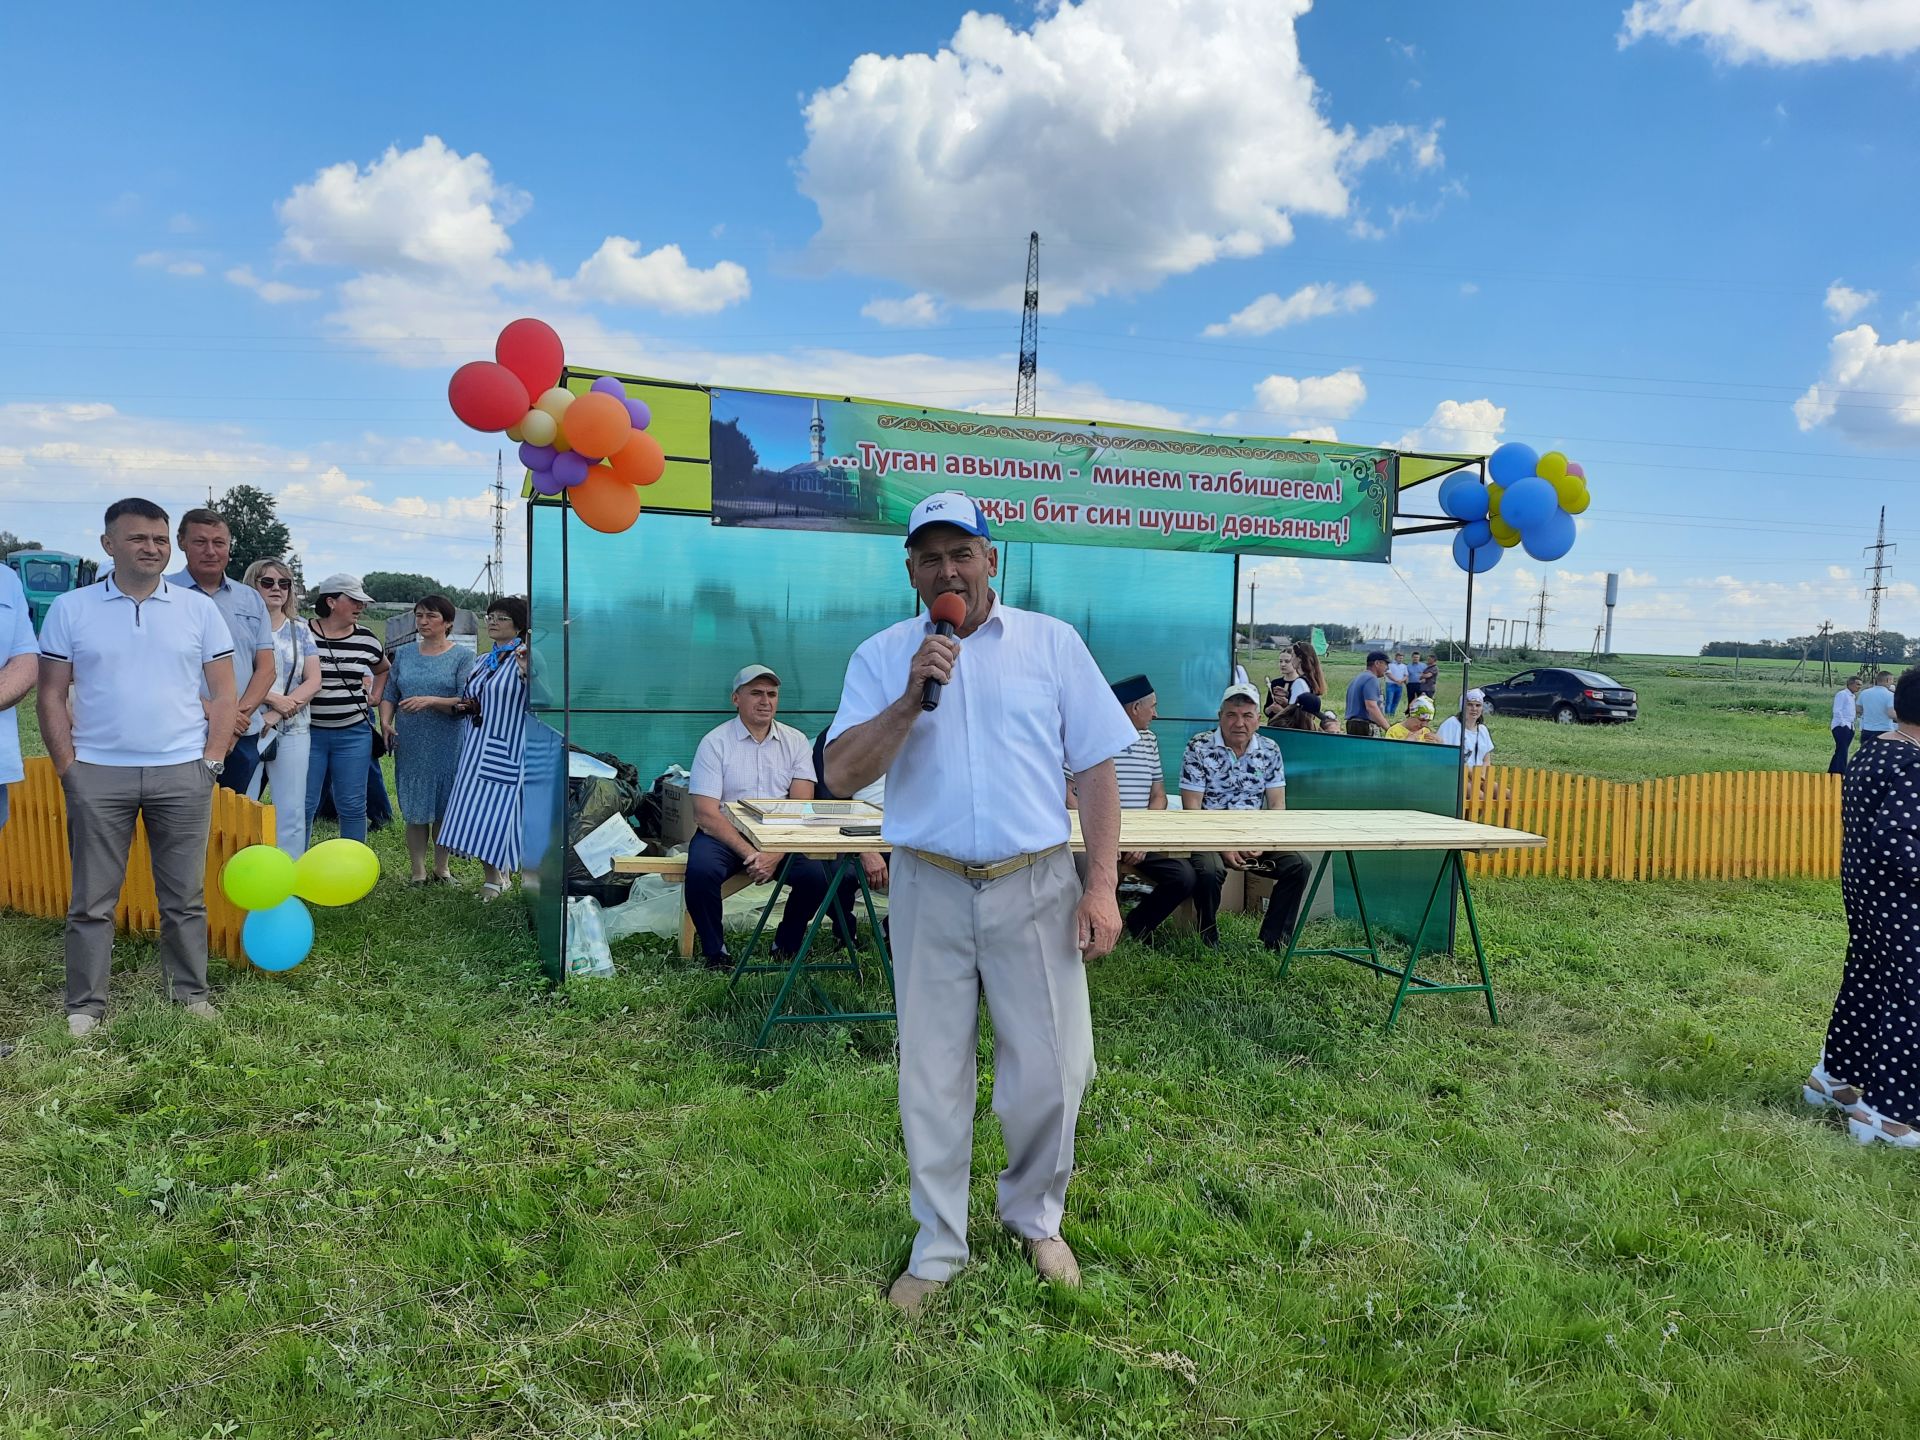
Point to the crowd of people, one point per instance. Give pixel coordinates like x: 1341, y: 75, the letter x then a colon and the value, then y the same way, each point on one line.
x: 155, y: 688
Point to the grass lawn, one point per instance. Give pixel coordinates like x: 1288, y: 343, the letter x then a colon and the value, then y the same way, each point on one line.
x: 1695, y: 714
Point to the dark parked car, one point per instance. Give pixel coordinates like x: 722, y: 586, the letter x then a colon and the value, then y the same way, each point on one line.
x: 1565, y: 696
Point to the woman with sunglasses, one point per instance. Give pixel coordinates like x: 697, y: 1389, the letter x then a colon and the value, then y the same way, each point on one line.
x: 284, y: 735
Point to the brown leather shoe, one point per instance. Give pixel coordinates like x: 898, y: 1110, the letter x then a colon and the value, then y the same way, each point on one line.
x: 910, y: 1293
x: 1053, y: 1261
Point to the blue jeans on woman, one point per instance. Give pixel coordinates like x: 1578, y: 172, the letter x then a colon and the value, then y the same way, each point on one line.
x: 340, y: 757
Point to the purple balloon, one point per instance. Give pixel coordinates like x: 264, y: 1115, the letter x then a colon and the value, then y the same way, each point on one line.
x: 570, y: 468
x: 537, y: 457
x: 642, y: 416
x: 607, y: 385
x: 545, y: 482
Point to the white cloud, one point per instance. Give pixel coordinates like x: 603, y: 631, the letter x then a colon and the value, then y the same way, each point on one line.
x: 171, y: 262
x: 274, y: 292
x: 1457, y: 426
x: 1844, y: 302
x: 619, y: 274
x: 919, y: 308
x: 1304, y: 406
x: 1270, y: 312
x: 1780, y: 32
x: 1141, y: 138
x: 182, y: 224
x: 1870, y: 391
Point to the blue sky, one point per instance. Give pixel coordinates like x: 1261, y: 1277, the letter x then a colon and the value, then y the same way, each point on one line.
x: 1676, y: 239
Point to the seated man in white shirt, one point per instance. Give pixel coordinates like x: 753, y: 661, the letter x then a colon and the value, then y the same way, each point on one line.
x: 751, y: 757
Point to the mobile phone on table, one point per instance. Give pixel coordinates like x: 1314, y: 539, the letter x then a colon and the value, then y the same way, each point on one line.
x: 865, y: 830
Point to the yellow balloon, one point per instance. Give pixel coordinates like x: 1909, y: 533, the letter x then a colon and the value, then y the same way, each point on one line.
x: 1566, y: 487
x: 539, y: 428
x: 335, y: 872
x: 1494, y: 492
x: 555, y: 401
x: 258, y: 878
x: 1552, y: 466
x: 1576, y: 503
x: 516, y: 433
x: 1504, y: 534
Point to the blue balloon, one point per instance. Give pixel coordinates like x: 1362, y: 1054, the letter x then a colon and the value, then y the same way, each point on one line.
x: 1465, y: 502
x: 1511, y: 464
x: 1550, y: 538
x: 1474, y: 561
x: 1476, y: 534
x: 280, y: 938
x: 1528, y: 503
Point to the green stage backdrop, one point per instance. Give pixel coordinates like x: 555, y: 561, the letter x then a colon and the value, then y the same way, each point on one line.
x: 801, y: 462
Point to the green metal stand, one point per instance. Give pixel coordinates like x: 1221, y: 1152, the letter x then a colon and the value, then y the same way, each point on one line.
x: 1411, y: 982
x: 802, y: 968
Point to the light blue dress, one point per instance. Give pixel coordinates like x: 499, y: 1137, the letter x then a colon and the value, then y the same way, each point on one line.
x: 429, y: 750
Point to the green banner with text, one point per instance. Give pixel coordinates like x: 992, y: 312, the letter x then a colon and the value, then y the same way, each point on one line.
x: 811, y: 463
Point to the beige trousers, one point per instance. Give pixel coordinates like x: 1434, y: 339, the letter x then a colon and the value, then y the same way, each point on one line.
x: 1013, y: 940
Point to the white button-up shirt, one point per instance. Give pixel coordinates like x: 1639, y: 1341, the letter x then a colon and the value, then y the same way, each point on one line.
x: 138, y: 669
x: 731, y: 765
x: 983, y: 778
x: 1844, y: 709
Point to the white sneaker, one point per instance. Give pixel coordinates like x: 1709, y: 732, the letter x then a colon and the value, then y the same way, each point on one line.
x: 81, y: 1025
x: 202, y: 1010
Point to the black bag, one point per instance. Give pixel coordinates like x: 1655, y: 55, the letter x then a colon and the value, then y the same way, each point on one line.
x: 591, y: 801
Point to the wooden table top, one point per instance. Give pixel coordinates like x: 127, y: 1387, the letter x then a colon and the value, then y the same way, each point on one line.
x: 1187, y: 831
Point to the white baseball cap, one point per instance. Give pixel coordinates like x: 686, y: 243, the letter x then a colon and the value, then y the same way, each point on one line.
x: 343, y: 584
x: 753, y: 672
x: 949, y: 507
x: 1241, y: 692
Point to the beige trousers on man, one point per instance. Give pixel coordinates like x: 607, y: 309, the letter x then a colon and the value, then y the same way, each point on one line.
x: 102, y: 803
x: 1012, y: 938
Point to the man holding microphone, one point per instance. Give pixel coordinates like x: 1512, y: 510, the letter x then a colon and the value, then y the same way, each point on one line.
x: 985, y: 897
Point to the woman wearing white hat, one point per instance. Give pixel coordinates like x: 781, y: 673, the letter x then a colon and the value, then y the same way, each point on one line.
x: 353, y: 672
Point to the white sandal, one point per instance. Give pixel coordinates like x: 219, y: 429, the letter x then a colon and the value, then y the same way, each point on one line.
x: 490, y: 891
x: 1869, y: 1126
x: 1823, y: 1092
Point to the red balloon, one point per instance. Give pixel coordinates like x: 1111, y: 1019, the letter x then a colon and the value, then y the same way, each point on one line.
x: 487, y: 396
x: 604, y: 501
x: 640, y: 461
x: 531, y: 350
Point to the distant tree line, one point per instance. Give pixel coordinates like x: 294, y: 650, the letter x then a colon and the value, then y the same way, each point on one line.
x: 395, y: 587
x: 1848, y: 646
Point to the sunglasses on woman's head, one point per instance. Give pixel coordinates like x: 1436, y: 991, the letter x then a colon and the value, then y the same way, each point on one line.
x: 268, y: 582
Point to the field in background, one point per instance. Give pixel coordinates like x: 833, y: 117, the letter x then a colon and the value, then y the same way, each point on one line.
x: 1696, y: 715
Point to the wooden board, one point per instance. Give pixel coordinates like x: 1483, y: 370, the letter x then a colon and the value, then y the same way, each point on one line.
x: 1187, y: 831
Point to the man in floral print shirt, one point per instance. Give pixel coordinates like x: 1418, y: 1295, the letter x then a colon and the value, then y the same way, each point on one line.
x: 1234, y: 767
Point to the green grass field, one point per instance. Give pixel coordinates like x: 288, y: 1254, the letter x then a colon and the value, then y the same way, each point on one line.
x: 404, y: 1191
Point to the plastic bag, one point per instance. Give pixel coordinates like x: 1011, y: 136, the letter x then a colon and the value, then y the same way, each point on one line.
x: 588, y: 955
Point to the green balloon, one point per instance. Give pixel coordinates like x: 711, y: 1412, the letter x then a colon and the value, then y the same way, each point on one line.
x: 336, y: 872
x: 258, y: 878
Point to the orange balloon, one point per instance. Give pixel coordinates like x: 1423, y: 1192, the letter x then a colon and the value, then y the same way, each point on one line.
x: 604, y: 501
x: 640, y: 461
x: 597, y: 424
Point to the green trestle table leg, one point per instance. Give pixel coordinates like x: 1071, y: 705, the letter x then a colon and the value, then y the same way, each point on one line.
x: 800, y: 967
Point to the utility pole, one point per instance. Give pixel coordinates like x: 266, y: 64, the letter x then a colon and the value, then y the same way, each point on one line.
x: 1826, y: 652
x: 497, y: 571
x: 1253, y: 594
x: 1025, y: 389
x: 1540, y: 617
x: 1878, y: 550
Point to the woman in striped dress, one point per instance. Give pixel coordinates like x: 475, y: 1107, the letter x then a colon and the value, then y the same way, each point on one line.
x: 483, y: 816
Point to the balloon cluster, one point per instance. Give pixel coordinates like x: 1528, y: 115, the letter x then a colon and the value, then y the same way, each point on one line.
x: 1531, y: 503
x: 594, y: 448
x: 262, y: 880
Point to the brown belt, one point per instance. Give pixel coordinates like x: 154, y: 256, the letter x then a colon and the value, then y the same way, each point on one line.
x: 979, y: 873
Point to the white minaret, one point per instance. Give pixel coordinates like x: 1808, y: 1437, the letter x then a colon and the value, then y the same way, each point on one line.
x: 817, y: 436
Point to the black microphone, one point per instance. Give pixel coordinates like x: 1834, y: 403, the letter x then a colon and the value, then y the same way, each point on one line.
x: 949, y: 613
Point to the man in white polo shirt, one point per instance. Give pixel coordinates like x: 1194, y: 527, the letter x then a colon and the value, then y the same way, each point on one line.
x: 984, y: 895
x: 137, y: 744
x: 17, y: 671
x: 207, y: 544
x: 751, y: 757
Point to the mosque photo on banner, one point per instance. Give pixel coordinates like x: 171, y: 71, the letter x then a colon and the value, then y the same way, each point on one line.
x: 769, y: 466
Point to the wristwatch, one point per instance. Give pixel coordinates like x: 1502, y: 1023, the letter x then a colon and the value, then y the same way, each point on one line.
x: 214, y: 767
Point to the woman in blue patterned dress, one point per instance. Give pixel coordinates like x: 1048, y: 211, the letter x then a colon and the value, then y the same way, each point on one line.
x: 483, y: 817
x: 422, y: 731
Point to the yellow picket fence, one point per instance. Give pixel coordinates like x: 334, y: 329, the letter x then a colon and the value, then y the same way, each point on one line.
x: 1725, y: 825
x: 36, y: 875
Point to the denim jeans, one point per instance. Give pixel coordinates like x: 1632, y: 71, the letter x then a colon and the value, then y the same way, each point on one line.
x: 340, y: 756
x: 243, y: 760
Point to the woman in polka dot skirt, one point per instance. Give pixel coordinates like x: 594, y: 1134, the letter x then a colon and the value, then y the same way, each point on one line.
x: 1870, y: 1068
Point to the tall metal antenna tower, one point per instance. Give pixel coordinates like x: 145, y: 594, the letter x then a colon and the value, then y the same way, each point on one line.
x: 1025, y: 392
x: 1878, y: 550
x: 1540, y: 618
x: 497, y: 570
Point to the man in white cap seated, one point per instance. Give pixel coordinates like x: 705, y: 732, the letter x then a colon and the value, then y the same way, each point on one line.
x: 1235, y: 767
x: 751, y: 757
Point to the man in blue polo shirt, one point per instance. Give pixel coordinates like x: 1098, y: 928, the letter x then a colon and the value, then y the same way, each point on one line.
x: 136, y: 743
x: 17, y: 671
x: 207, y: 544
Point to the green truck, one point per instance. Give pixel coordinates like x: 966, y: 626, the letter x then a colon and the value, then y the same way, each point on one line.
x: 45, y: 574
